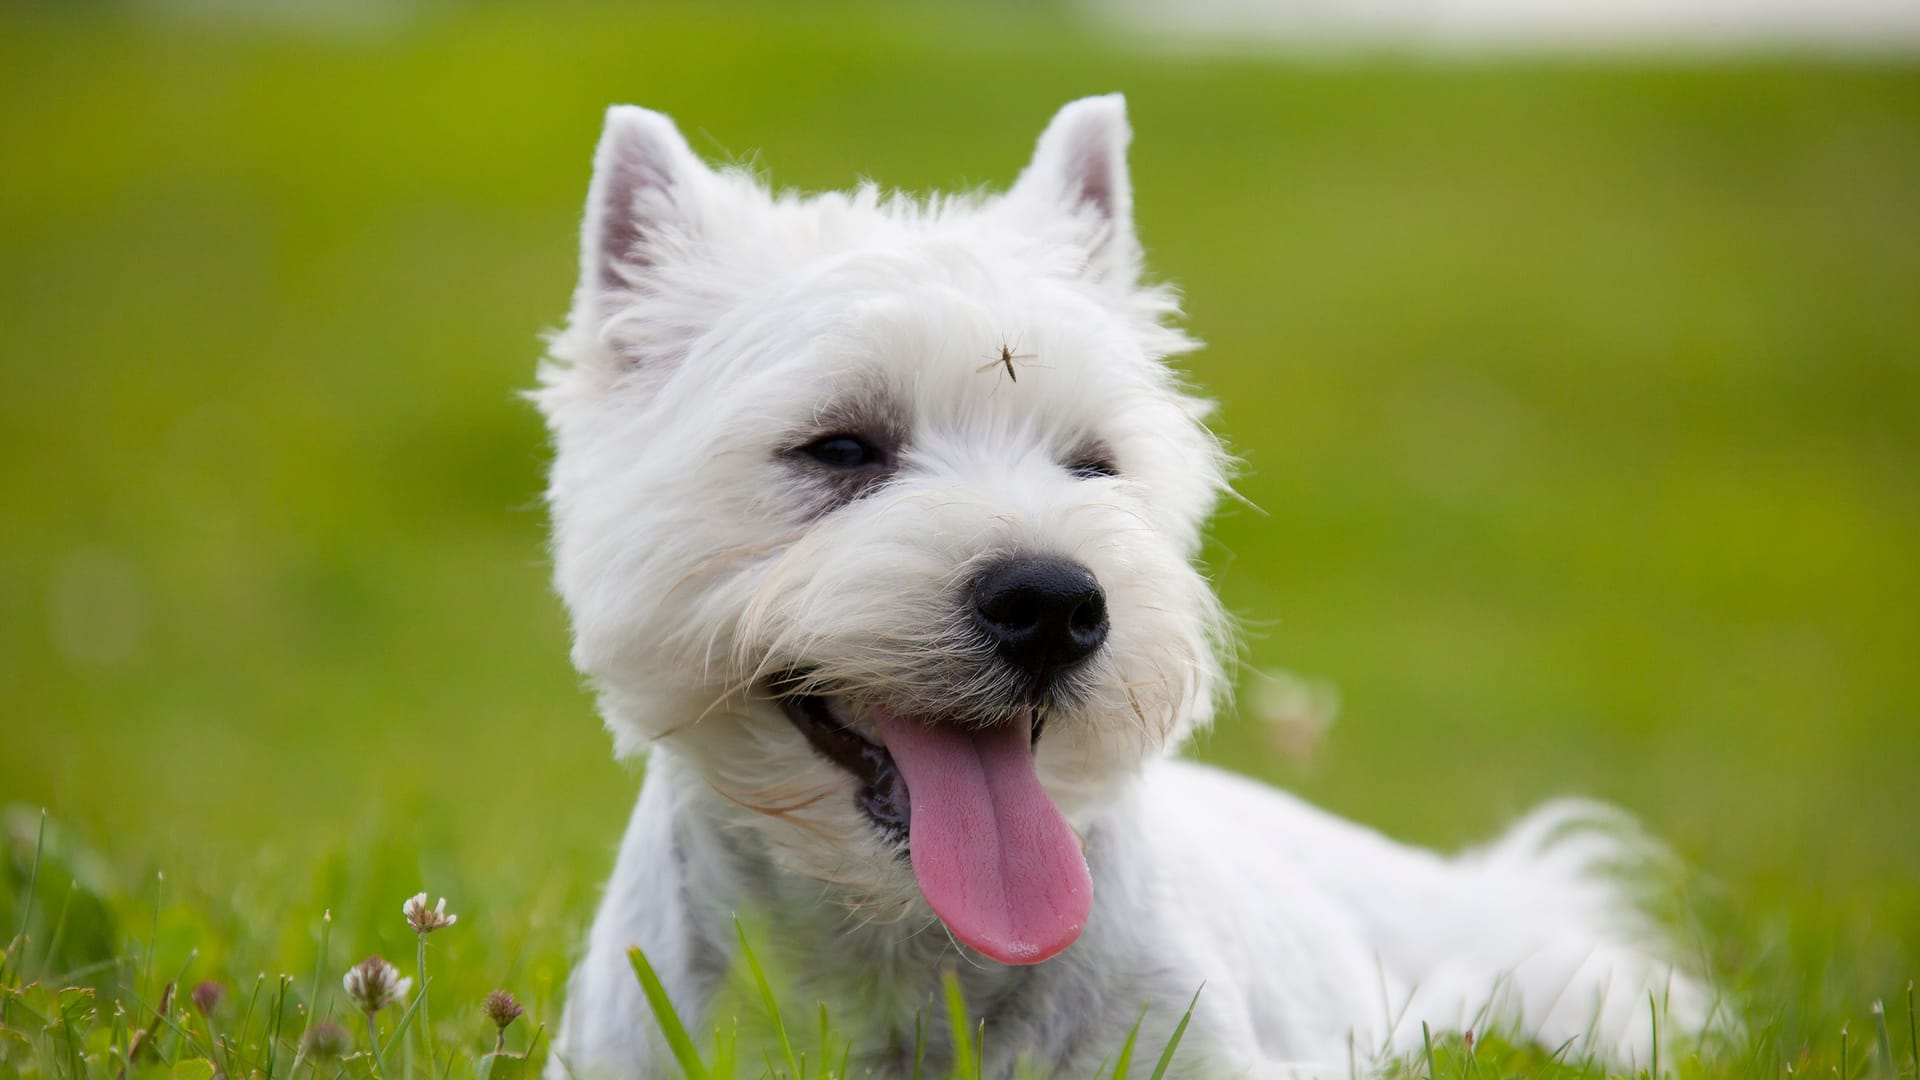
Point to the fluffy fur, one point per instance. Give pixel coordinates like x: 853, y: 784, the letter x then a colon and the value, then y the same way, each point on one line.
x: 717, y: 326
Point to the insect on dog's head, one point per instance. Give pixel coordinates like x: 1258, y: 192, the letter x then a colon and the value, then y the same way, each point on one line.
x: 837, y: 471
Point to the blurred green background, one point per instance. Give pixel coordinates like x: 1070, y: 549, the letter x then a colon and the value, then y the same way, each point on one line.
x: 1578, y: 400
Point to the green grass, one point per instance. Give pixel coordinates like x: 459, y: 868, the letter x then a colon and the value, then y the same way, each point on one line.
x: 1578, y: 402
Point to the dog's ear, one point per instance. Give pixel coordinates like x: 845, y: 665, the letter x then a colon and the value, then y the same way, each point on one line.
x: 1079, y: 172
x: 644, y: 199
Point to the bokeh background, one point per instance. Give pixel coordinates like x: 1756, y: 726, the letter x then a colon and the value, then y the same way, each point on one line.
x: 1578, y: 393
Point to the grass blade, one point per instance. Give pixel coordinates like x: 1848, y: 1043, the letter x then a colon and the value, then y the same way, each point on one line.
x: 766, y: 996
x: 406, y: 1021
x: 153, y: 938
x: 26, y: 907
x: 1124, y: 1063
x: 826, y: 1049
x: 319, y: 968
x: 683, y: 1049
x: 1173, y: 1043
x: 920, y: 1038
x: 1653, y: 1010
x: 279, y: 1011
x: 253, y: 999
x: 723, y: 1051
x: 963, y: 1063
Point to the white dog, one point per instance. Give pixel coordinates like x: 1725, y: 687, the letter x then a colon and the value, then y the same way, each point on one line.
x: 877, y: 520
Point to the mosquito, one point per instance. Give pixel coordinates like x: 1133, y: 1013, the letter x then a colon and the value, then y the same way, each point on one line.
x: 1005, y: 359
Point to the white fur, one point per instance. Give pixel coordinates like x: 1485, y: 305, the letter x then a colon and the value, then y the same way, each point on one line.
x: 718, y: 324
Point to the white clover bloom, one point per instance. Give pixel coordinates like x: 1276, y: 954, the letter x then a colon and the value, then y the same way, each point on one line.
x: 373, y: 984
x: 424, y: 919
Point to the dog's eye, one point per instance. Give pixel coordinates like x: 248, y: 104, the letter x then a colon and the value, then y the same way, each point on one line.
x: 843, y: 452
x: 1093, y: 467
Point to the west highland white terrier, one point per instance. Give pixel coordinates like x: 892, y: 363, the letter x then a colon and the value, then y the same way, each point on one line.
x: 877, y: 520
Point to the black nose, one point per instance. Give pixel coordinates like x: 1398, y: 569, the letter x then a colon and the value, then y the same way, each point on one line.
x: 1042, y: 614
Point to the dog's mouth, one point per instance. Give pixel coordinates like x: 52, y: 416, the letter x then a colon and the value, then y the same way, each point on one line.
x: 993, y: 855
x: 834, y: 735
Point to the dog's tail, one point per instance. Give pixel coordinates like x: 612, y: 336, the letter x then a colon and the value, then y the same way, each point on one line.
x: 1579, y: 899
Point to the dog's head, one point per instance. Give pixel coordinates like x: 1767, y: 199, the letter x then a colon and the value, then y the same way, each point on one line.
x: 885, y: 511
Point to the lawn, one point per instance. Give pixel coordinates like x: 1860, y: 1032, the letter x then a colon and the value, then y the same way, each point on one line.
x: 1579, y: 406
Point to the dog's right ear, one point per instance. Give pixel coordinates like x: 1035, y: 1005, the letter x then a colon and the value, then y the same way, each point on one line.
x: 642, y: 204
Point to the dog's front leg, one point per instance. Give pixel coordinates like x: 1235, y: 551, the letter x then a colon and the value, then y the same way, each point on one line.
x: 661, y: 899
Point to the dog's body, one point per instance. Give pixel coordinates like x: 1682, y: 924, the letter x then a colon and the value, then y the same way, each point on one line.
x: 877, y: 521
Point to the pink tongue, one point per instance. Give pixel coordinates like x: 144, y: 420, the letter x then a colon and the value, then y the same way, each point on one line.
x: 993, y: 856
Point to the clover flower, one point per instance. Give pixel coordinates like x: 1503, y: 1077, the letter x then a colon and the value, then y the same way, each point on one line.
x: 207, y: 996
x: 502, y: 1009
x: 425, y: 920
x: 373, y: 984
x: 326, y: 1041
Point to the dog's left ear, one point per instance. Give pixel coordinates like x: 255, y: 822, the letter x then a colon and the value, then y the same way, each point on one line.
x: 1079, y: 172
